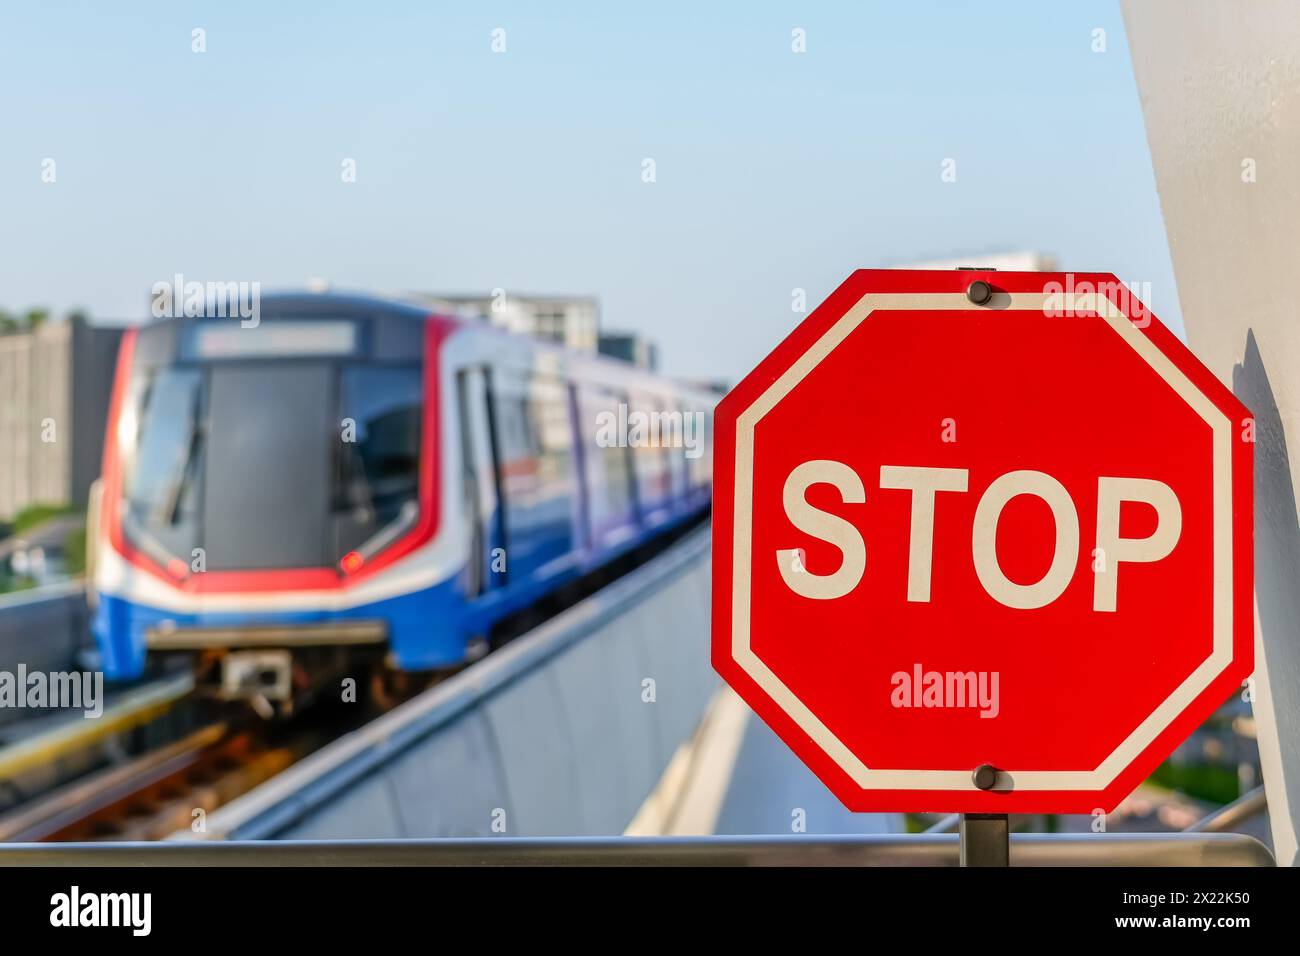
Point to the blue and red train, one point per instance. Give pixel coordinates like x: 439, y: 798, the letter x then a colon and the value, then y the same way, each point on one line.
x: 358, y: 475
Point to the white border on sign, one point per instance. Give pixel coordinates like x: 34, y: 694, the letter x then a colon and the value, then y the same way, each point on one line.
x: 1154, y: 724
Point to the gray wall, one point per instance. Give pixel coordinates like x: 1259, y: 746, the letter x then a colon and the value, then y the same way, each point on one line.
x: 42, y: 629
x: 94, y: 363
x: 1220, y: 89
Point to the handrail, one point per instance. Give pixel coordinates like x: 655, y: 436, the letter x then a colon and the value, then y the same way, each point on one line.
x: 1224, y: 819
x: 1232, y: 814
x: 46, y: 592
x: 1039, y: 849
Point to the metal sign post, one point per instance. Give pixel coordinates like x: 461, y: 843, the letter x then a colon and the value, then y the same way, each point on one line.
x: 985, y: 839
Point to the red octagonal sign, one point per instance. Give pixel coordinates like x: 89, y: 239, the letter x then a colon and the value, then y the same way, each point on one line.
x: 982, y: 541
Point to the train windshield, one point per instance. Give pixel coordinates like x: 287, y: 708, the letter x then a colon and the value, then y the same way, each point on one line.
x: 162, y: 487
x: 272, y: 465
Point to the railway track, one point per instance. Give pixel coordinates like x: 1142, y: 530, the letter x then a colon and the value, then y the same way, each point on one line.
x: 159, y: 793
x: 162, y: 786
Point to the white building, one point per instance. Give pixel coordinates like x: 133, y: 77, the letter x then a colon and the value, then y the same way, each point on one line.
x: 573, y: 321
x: 1001, y: 261
x: 55, y: 382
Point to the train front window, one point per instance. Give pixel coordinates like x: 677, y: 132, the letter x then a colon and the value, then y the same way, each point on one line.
x: 271, y: 465
x: 164, y: 469
x: 376, y: 496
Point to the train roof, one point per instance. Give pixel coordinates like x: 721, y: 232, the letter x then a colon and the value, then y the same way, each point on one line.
x: 291, y: 304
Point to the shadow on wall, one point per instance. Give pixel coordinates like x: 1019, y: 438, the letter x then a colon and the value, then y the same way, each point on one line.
x: 1277, y: 536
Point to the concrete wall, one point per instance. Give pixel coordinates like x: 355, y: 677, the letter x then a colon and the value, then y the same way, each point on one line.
x: 41, y: 629
x: 61, y: 372
x: 94, y: 351
x: 34, y: 386
x: 1220, y: 88
x: 549, y: 736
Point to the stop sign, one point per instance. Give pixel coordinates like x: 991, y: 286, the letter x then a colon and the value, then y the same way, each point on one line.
x: 982, y: 541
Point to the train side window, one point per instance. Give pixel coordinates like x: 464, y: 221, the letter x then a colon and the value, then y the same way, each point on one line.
x: 552, y: 433
x: 377, y: 485
x: 610, y: 479
x: 536, y: 468
x: 516, y: 461
x: 673, y: 438
x: 653, y: 476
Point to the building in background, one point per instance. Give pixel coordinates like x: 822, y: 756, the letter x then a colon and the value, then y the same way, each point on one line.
x: 55, y: 382
x: 630, y: 347
x: 571, y: 321
x: 1002, y: 261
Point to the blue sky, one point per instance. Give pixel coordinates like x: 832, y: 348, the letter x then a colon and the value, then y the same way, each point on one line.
x: 522, y: 170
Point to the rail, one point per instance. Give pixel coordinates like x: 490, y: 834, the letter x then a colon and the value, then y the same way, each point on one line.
x: 1233, y: 814
x: 1143, y: 849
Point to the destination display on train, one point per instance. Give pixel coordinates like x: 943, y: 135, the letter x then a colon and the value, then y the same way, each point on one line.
x: 229, y: 340
x: 982, y: 541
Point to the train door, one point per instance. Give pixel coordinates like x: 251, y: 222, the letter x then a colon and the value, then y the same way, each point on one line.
x: 487, y: 568
x: 582, y: 496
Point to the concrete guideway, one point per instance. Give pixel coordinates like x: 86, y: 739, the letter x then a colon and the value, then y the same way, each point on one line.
x: 42, y: 628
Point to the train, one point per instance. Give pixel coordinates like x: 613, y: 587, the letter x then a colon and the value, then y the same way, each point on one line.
x: 357, y: 477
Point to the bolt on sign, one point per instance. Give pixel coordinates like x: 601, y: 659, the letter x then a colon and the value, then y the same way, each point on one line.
x: 982, y: 541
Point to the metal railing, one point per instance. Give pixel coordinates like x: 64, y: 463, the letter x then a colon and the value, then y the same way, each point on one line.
x: 1233, y: 814
x: 1102, y: 849
x: 1222, y: 820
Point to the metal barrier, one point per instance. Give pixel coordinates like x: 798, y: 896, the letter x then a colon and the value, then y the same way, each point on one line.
x: 133, y: 708
x: 41, y: 629
x: 1179, y: 849
x: 1231, y: 815
x: 564, y: 731
x: 1227, y: 817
